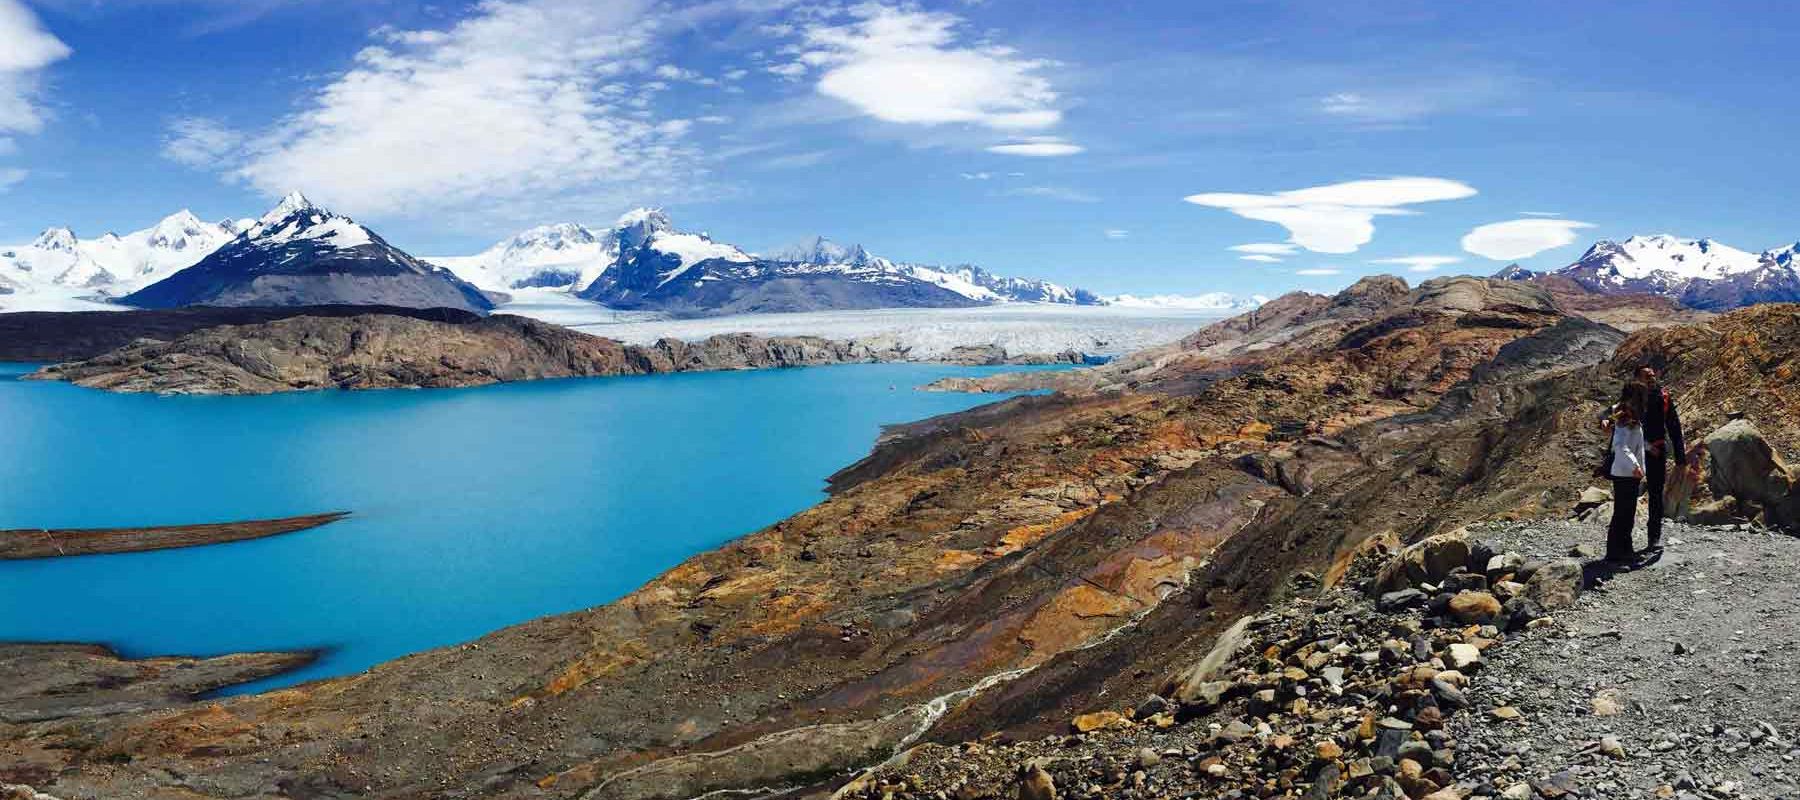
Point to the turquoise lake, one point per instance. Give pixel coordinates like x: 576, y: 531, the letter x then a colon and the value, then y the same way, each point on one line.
x: 473, y: 508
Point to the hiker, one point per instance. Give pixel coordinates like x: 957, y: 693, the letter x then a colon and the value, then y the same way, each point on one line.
x: 1662, y: 438
x: 1626, y: 468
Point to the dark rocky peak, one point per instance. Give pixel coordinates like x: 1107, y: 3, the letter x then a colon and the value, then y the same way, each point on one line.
x: 637, y: 227
x: 57, y: 239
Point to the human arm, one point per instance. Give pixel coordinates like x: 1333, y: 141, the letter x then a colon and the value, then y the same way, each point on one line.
x: 1672, y: 421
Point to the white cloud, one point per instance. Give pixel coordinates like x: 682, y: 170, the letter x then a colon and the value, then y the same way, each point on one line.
x: 1419, y: 263
x: 976, y: 176
x: 1117, y: 233
x: 10, y: 176
x: 1260, y: 258
x: 1520, y: 238
x: 1038, y: 146
x: 1318, y: 271
x: 26, y: 48
x: 201, y: 142
x: 1062, y: 193
x: 1336, y: 218
x: 1266, y: 248
x: 524, y: 104
x: 908, y: 65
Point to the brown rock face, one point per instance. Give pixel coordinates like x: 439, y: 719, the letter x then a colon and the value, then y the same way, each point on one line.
x: 1002, y: 569
x: 380, y: 351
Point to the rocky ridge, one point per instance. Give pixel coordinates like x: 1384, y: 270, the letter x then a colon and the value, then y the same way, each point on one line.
x: 379, y: 351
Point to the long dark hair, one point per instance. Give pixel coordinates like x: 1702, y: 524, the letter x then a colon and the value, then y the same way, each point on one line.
x: 1632, y: 403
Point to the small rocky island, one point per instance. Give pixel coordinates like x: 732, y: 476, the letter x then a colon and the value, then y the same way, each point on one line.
x: 383, y: 351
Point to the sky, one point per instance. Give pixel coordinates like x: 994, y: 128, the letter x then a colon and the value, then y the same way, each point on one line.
x: 1129, y: 146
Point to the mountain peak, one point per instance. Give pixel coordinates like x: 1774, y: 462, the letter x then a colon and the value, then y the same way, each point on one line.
x: 638, y: 225
x: 289, y: 205
x: 55, y: 239
x: 822, y: 251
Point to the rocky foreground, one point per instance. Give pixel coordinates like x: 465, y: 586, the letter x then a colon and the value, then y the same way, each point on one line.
x: 990, y: 576
x: 1480, y: 671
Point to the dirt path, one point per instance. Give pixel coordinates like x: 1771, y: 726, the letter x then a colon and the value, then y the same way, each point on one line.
x: 1689, y: 662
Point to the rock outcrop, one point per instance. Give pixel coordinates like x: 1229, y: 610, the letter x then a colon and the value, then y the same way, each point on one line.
x: 1742, y: 466
x: 380, y: 351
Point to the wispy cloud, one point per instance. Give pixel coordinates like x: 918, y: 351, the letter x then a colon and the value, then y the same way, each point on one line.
x: 1419, y: 263
x: 524, y: 105
x: 201, y: 142
x: 1266, y: 249
x: 976, y: 176
x: 1520, y: 238
x: 811, y: 158
x: 1116, y: 233
x: 10, y: 176
x: 1314, y: 272
x: 1038, y: 146
x: 1260, y: 258
x: 26, y: 49
x: 1062, y: 193
x: 1336, y: 218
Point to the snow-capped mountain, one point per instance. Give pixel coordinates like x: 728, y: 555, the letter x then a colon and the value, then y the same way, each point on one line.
x: 662, y: 268
x: 967, y: 280
x: 1699, y: 273
x: 561, y: 256
x: 300, y: 254
x: 644, y: 261
x: 60, y: 270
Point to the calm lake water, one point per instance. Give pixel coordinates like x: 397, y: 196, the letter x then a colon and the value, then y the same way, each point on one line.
x: 473, y: 508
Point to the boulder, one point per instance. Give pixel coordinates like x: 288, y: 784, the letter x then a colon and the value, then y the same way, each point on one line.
x: 1744, y: 466
x: 1464, y: 657
x: 1087, y: 723
x: 1426, y: 561
x: 1555, y: 585
x: 1474, y: 607
x: 1035, y: 784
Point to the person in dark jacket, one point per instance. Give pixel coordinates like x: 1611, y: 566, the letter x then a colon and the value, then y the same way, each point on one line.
x: 1662, y: 439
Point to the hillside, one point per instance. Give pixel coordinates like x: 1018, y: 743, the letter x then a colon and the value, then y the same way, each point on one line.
x: 999, y: 571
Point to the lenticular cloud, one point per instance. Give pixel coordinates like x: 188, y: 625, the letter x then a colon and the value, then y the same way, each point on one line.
x: 1340, y: 217
x: 1520, y: 238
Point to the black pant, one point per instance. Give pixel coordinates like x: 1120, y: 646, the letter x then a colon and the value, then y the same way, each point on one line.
x: 1618, y: 534
x: 1655, y: 473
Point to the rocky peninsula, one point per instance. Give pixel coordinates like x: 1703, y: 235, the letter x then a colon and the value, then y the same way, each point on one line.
x: 59, y: 543
x: 1014, y: 583
x: 386, y: 351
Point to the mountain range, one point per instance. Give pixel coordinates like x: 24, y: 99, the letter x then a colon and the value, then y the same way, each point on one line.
x: 1698, y: 273
x: 644, y: 262
x: 301, y: 254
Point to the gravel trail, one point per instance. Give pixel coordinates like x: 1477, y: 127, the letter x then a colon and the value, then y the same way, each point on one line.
x: 1679, y: 677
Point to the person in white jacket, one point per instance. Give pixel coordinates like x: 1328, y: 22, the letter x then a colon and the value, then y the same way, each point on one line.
x: 1627, y: 469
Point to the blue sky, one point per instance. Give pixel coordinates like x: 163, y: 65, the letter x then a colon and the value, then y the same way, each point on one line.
x: 1124, y: 146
